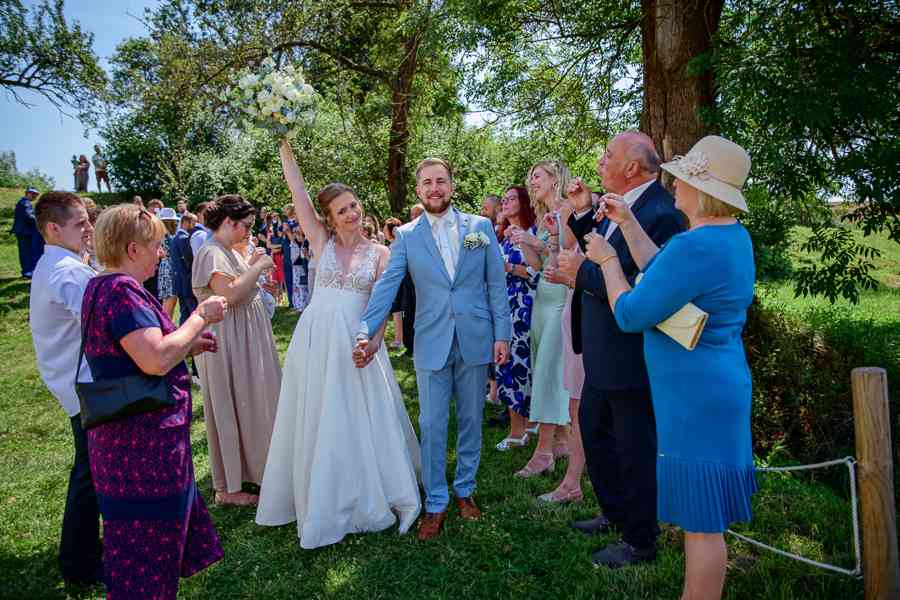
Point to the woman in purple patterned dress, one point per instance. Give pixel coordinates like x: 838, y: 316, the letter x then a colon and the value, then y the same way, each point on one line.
x: 155, y: 525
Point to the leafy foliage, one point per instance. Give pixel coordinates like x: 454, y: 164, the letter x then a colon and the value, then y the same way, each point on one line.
x: 843, y: 269
x: 11, y: 177
x: 811, y: 89
x: 46, y: 55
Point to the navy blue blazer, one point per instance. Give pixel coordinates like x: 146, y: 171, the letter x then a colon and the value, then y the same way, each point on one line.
x: 613, y: 359
x: 24, y: 223
x: 183, y: 260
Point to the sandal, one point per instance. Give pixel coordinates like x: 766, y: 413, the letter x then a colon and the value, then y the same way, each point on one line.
x: 560, y: 450
x: 236, y: 499
x: 561, y: 496
x: 530, y: 470
x: 509, y: 442
x: 533, y: 430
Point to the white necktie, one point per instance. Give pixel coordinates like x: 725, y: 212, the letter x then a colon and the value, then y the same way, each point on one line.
x: 447, y: 249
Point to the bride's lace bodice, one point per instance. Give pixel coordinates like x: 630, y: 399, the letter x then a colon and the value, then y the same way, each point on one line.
x: 362, y: 270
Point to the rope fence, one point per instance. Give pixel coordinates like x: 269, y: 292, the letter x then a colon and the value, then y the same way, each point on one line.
x: 851, y: 468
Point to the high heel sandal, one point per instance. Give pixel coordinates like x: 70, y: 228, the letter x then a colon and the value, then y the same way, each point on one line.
x: 560, y: 450
x: 558, y: 496
x: 530, y: 471
x: 509, y: 442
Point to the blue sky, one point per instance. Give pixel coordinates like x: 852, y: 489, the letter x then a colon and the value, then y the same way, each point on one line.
x: 40, y: 136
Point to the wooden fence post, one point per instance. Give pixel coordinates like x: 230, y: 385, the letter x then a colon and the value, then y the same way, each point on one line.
x: 876, y: 484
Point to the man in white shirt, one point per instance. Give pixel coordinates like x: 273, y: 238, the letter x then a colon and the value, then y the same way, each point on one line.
x: 201, y: 231
x: 57, y: 289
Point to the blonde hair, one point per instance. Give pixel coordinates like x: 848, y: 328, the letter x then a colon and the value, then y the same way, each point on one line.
x: 560, y: 173
x: 430, y: 162
x: 710, y: 206
x: 119, y: 226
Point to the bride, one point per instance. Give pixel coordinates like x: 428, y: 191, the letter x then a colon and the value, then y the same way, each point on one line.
x: 344, y: 455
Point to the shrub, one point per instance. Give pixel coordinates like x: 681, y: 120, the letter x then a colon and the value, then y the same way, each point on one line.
x: 802, y: 401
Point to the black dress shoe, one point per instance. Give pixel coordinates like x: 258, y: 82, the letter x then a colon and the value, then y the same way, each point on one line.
x: 598, y: 524
x: 622, y: 554
x: 501, y: 419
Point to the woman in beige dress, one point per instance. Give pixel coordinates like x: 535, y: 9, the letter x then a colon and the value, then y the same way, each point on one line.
x: 242, y: 381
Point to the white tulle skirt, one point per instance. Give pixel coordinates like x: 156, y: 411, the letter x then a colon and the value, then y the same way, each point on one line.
x: 344, y: 456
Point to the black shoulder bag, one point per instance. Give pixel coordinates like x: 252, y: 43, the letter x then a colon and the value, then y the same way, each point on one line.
x: 114, y: 399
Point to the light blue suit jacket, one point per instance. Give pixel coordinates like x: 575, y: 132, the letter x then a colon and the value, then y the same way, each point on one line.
x: 474, y: 305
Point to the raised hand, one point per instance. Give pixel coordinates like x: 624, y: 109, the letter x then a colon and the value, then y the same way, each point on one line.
x: 213, y: 309
x: 599, y: 249
x: 552, y: 274
x: 614, y: 207
x: 260, y: 256
x: 549, y: 223
x: 521, y: 237
x: 578, y: 193
x: 569, y: 263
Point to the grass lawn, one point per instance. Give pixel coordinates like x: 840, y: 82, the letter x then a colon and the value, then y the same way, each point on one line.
x: 518, y: 550
x: 881, y: 305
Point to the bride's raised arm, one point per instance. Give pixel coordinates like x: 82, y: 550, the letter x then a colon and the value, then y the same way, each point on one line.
x: 306, y: 213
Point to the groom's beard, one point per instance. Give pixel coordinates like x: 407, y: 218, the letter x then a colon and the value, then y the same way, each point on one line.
x: 439, y: 210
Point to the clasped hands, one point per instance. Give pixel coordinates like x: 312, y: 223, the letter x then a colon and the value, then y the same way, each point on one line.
x: 364, y: 352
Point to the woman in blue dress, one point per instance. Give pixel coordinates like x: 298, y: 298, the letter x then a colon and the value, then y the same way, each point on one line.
x: 514, y: 378
x: 701, y: 397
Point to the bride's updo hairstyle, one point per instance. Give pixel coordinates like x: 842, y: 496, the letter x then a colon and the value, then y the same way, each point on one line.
x: 229, y: 206
x: 327, y: 194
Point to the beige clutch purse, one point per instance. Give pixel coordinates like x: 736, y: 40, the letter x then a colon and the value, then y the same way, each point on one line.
x: 685, y: 326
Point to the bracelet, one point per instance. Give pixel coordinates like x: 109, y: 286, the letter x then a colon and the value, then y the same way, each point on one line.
x: 606, y: 258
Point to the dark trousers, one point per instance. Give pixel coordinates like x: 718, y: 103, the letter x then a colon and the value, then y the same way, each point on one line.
x: 80, y: 549
x: 289, y: 278
x: 31, y: 247
x: 618, y: 431
x: 186, y: 305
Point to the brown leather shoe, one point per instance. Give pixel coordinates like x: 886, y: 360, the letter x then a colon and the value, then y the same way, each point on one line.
x: 431, y: 525
x: 467, y: 509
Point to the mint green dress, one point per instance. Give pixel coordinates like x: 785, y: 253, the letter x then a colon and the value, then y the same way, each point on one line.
x: 549, y: 398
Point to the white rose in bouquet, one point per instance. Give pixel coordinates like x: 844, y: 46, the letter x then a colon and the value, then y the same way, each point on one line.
x: 277, y: 100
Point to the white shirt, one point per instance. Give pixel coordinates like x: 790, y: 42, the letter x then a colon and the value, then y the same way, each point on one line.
x: 630, y: 197
x: 57, y: 289
x: 198, y: 238
x: 448, y: 249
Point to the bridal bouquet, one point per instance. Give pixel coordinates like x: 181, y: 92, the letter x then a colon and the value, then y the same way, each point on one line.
x: 277, y: 100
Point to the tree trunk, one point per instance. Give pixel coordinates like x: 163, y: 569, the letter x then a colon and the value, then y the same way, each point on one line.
x: 678, y: 100
x: 398, y: 140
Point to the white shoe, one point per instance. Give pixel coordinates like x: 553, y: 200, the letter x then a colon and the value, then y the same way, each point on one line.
x: 509, y: 443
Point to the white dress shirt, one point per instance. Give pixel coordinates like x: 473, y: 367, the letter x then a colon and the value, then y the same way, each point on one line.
x: 445, y: 230
x: 57, y: 289
x: 630, y: 197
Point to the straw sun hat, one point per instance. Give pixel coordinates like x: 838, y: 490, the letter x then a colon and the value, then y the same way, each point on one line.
x: 716, y: 166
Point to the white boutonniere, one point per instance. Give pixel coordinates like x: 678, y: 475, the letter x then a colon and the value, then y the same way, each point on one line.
x: 476, y: 240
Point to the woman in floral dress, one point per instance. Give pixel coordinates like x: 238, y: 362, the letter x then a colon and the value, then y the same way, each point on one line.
x: 514, y: 378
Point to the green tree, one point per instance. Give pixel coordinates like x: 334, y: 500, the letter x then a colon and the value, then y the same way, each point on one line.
x: 811, y: 89
x: 382, y: 59
x: 44, y: 54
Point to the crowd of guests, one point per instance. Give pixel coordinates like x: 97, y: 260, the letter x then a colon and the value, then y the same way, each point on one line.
x: 589, y: 375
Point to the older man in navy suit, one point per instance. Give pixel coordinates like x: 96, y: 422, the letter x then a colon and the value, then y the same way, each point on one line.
x: 616, y: 416
x: 31, y: 243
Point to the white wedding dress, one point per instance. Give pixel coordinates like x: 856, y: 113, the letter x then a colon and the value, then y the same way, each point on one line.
x: 344, y: 455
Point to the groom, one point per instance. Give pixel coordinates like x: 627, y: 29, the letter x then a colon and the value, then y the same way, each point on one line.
x: 462, y: 324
